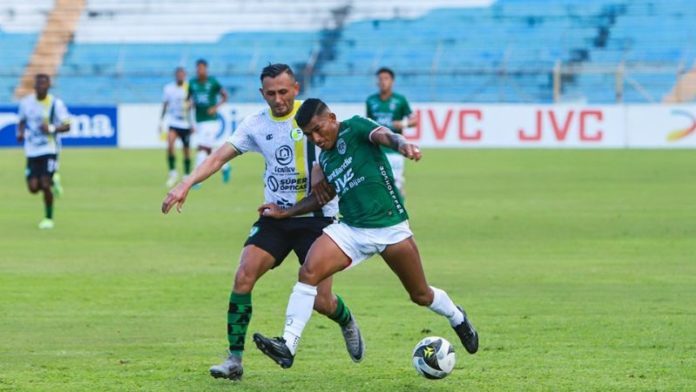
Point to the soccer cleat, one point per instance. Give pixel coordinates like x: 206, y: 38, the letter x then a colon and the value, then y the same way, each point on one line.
x: 275, y: 349
x: 230, y: 369
x: 226, y: 173
x: 46, y: 224
x: 467, y: 334
x: 354, y: 341
x: 171, y: 180
x: 196, y: 187
x: 57, y: 188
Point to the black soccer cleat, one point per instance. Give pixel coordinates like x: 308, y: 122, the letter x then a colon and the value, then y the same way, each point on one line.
x: 467, y: 334
x: 275, y: 349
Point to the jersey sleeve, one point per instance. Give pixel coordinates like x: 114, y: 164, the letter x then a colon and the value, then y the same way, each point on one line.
x: 363, y: 127
x: 241, y: 138
x: 61, y: 115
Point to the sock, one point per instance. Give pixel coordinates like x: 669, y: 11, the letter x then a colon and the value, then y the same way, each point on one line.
x: 443, y: 305
x: 200, y: 157
x: 342, y: 314
x: 226, y: 166
x: 238, y: 318
x: 49, y: 211
x: 187, y: 166
x: 170, y: 162
x: 298, y: 313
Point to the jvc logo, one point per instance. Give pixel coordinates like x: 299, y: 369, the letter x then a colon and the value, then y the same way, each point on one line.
x: 343, y: 181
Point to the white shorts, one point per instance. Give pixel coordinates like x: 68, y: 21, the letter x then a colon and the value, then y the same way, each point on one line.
x: 397, y: 162
x: 359, y: 244
x: 206, y: 133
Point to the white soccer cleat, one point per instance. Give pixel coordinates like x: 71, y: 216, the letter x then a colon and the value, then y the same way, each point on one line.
x: 46, y: 224
x: 171, y: 180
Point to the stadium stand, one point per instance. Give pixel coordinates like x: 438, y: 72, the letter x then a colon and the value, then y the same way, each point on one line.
x: 476, y: 50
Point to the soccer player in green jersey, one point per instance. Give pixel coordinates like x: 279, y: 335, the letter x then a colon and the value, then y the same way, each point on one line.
x: 374, y: 220
x: 203, y: 93
x: 391, y: 110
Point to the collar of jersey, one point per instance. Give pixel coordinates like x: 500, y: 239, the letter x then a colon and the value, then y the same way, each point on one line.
x: 286, y: 117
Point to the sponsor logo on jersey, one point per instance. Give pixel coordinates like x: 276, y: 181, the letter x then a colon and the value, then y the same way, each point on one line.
x: 284, y: 155
x: 253, y: 231
x: 341, y: 146
x: 296, y: 134
x: 269, y: 137
x: 272, y: 183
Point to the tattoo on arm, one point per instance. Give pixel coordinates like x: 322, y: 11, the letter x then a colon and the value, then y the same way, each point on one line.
x: 308, y: 204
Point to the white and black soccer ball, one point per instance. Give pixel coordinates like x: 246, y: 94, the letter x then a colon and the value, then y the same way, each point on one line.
x: 434, y: 358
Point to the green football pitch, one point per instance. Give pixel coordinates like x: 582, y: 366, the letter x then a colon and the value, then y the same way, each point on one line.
x: 577, y: 267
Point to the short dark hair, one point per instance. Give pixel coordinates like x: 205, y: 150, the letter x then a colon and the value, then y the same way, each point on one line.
x: 309, y: 108
x: 177, y: 69
x: 201, y: 62
x: 385, y: 70
x: 273, y: 70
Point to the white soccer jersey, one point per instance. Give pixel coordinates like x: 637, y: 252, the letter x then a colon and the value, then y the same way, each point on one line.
x: 33, y: 112
x: 177, y: 105
x: 289, y: 157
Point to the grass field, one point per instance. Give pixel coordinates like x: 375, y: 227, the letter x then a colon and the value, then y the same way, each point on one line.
x: 577, y: 267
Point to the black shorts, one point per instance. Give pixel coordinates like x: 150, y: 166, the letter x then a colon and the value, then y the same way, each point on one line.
x: 184, y: 134
x: 42, y: 166
x: 280, y: 236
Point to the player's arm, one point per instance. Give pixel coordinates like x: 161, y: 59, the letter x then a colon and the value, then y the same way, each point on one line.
x: 304, y: 206
x: 211, y: 165
x: 385, y: 137
x: 220, y: 102
x: 21, y: 127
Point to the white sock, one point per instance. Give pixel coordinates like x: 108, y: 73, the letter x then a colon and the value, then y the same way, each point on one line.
x: 298, y: 313
x: 443, y: 305
x: 200, y: 157
x: 173, y: 173
x: 226, y: 166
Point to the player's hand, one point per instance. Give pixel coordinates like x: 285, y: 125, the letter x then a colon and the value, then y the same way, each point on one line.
x: 212, y: 110
x: 20, y: 137
x: 177, y: 196
x: 410, y: 151
x: 44, y: 128
x: 321, y: 189
x: 397, y: 124
x: 272, y: 210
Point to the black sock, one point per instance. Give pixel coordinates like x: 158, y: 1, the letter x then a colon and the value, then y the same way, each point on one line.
x: 170, y: 161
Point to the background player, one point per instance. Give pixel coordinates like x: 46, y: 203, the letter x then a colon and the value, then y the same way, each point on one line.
x: 374, y: 220
x: 289, y: 157
x: 391, y: 110
x: 42, y: 117
x: 175, y: 117
x: 204, y: 91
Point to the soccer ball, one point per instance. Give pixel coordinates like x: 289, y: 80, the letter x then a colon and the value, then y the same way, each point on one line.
x: 433, y: 358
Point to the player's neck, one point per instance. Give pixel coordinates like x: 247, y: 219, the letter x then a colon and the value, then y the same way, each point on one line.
x: 41, y: 97
x: 385, y: 95
x: 202, y: 80
x: 179, y: 83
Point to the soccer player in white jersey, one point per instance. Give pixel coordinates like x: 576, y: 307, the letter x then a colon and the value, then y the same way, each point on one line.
x: 42, y: 118
x: 175, y: 117
x: 289, y: 157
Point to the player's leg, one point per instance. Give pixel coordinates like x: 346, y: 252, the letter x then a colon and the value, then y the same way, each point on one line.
x: 404, y: 259
x: 186, y: 143
x: 171, y: 158
x: 326, y: 302
x: 397, y: 163
x: 264, y: 249
x: 45, y: 184
x: 323, y: 260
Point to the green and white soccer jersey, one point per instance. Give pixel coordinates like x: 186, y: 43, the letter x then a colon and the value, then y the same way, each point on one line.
x: 204, y: 96
x: 289, y: 157
x: 359, y: 171
x: 395, y: 108
x: 33, y: 112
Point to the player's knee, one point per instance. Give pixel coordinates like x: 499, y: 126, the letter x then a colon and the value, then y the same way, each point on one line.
x: 309, y: 275
x: 244, y: 281
x: 422, y: 297
x: 34, y: 188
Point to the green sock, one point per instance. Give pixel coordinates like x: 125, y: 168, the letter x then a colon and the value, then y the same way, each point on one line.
x: 238, y: 318
x: 187, y: 165
x: 342, y: 314
x: 170, y: 161
x: 49, y: 211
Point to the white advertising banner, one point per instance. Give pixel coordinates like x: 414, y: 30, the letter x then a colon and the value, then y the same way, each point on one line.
x: 661, y: 126
x: 455, y: 125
